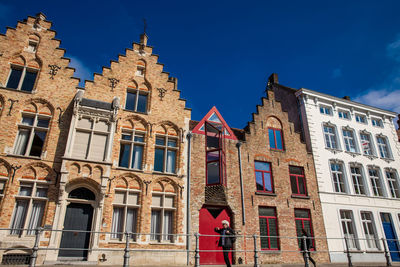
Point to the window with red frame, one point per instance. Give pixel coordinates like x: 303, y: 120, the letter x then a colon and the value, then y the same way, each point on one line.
x: 297, y: 181
x: 268, y: 228
x: 303, y: 221
x: 215, y: 153
x: 275, y: 138
x: 263, y: 174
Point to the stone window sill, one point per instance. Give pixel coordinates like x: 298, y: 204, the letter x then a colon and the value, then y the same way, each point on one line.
x: 165, y: 173
x: 299, y: 196
x: 15, y: 90
x: 334, y: 151
x: 138, y: 112
x: 265, y: 194
x: 22, y: 156
x: 127, y: 169
x: 88, y: 160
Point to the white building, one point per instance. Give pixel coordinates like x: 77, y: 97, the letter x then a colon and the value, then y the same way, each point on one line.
x: 357, y: 160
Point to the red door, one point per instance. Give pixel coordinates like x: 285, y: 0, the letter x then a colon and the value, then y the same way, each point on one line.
x: 211, y: 217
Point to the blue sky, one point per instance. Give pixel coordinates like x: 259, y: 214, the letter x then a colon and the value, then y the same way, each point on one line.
x: 222, y: 52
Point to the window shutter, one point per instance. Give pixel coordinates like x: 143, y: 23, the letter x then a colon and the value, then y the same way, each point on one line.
x: 80, y: 144
x: 98, y: 147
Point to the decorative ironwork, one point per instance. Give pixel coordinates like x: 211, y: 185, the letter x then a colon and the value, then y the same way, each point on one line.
x: 181, y: 187
x: 53, y: 70
x: 59, y: 115
x: 113, y: 83
x: 15, y: 168
x: 11, y: 106
x: 147, y: 184
x: 161, y: 93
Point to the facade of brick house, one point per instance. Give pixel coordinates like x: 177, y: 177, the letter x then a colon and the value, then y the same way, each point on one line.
x: 110, y: 157
x: 261, y: 179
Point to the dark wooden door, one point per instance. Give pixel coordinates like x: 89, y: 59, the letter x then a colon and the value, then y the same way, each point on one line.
x: 78, y: 217
x: 211, y: 217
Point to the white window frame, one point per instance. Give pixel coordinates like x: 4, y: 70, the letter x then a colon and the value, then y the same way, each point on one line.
x: 336, y: 178
x: 166, y: 149
x: 376, y: 182
x: 370, y: 143
x: 347, y: 140
x: 132, y: 143
x: 371, y: 239
x: 30, y: 199
x: 3, y: 180
x: 348, y: 223
x: 119, y: 236
x: 342, y: 113
x: 323, y: 109
x: 331, y: 136
x: 377, y: 122
x: 32, y: 128
x: 383, y: 146
x: 364, y: 118
x: 22, y: 78
x: 140, y: 71
x: 164, y: 237
x: 358, y: 180
x: 92, y: 132
x: 393, y: 183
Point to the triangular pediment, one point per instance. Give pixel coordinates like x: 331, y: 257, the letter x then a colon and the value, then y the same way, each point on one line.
x: 214, y: 117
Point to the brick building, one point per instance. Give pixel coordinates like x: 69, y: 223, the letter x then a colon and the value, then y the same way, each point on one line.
x: 261, y: 179
x: 109, y: 157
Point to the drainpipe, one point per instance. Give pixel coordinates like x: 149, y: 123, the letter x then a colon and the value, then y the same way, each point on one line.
x: 188, y: 215
x: 238, y: 145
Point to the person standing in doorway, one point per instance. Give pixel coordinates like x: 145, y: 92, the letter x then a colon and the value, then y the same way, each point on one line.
x: 226, y: 240
x: 306, y: 246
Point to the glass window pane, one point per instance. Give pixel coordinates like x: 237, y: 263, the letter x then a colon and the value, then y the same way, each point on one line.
x: 124, y: 155
x: 37, y: 144
x: 126, y: 136
x: 139, y: 138
x: 130, y: 101
x: 22, y: 141
x: 293, y: 184
x: 155, y: 228
x: 43, y: 123
x: 296, y: 170
x: 212, y: 155
x: 266, y: 211
x: 142, y: 103
x: 262, y: 166
x: 268, y: 182
x: 36, y: 216
x: 25, y: 190
x: 171, y: 161
x: 29, y: 81
x: 273, y: 231
x: 20, y: 210
x: 137, y: 156
x: 160, y: 141
x: 159, y: 160
x: 302, y: 186
x: 264, y: 232
x: 27, y: 120
x: 259, y: 181
x: 172, y: 142
x: 167, y: 227
x: 117, y: 223
x: 131, y: 220
x: 271, y: 138
x: 278, y: 136
x: 301, y: 213
x: 41, y: 192
x: 15, y: 76
x: 213, y: 173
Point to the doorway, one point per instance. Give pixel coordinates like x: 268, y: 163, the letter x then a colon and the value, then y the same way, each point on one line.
x: 209, y: 218
x: 78, y: 218
x: 390, y: 233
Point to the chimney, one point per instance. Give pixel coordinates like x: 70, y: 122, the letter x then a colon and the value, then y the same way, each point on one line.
x: 273, y: 78
x: 347, y: 97
x: 143, y: 39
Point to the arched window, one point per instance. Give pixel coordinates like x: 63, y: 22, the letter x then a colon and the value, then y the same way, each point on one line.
x: 162, y: 212
x: 4, y: 173
x: 32, y: 131
x: 29, y: 207
x: 275, y: 134
x: 132, y: 146
x: 125, y: 212
x: 140, y: 68
x: 23, y: 77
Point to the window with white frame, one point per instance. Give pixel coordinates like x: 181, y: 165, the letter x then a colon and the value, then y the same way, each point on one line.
x: 368, y: 224
x: 165, y: 153
x: 344, y: 114
x: 90, y: 140
x: 383, y: 146
x: 125, y: 213
x: 140, y: 70
x: 3, y: 182
x: 366, y: 144
x: 131, y: 149
x: 162, y: 216
x: 29, y: 207
x: 376, y: 122
x: 347, y: 221
x: 22, y: 78
x: 393, y: 183
x: 338, y: 177
x: 32, y: 131
x: 358, y: 180
x: 349, y: 140
x: 136, y: 100
x: 376, y: 183
x: 330, y: 137
x: 361, y: 118
x: 325, y: 110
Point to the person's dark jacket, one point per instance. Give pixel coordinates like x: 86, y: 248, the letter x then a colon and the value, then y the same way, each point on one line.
x: 229, y: 237
x: 309, y: 242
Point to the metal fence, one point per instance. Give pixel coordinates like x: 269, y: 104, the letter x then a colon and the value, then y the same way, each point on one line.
x: 193, y: 251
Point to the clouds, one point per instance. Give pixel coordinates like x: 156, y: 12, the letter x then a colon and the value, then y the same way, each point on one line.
x: 81, y: 71
x: 387, y: 94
